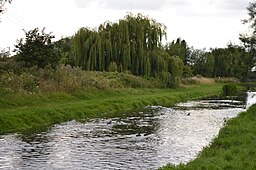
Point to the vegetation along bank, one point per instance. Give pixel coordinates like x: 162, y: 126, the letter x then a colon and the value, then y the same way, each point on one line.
x: 23, y: 112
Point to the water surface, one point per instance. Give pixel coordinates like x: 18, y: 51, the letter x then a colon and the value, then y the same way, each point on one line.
x: 143, y: 140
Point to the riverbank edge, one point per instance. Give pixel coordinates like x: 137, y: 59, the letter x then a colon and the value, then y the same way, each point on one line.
x: 33, y: 114
x: 233, y: 148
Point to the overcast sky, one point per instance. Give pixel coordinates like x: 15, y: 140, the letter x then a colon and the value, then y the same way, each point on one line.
x: 202, y: 23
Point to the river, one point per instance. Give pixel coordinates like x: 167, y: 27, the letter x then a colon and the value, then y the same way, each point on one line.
x: 143, y: 140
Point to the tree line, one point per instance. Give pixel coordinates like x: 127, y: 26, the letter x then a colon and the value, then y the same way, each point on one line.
x: 135, y: 45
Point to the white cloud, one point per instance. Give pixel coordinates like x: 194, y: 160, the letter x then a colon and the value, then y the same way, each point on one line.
x: 203, y: 23
x: 233, y: 4
x: 130, y: 4
x: 163, y: 4
x: 135, y: 5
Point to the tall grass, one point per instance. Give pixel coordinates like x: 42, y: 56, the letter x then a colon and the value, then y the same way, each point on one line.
x: 70, y: 79
x: 204, y: 80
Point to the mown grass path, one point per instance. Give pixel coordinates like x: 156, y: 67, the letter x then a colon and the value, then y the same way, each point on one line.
x: 21, y: 113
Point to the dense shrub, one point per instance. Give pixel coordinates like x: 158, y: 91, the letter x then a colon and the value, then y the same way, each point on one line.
x: 70, y: 79
x: 189, y: 81
x: 24, y: 82
x: 226, y: 80
x: 229, y: 90
x: 37, y: 49
x: 197, y: 80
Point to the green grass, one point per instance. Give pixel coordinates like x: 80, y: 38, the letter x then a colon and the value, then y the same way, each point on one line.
x: 233, y: 149
x: 22, y: 113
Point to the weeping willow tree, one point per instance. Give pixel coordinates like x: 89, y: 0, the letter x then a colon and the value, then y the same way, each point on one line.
x: 133, y: 44
x: 175, y: 68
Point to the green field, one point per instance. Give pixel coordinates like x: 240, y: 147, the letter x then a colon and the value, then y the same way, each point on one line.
x: 25, y: 112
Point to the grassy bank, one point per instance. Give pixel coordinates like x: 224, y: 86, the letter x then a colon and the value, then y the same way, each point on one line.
x: 234, y: 149
x: 23, y: 112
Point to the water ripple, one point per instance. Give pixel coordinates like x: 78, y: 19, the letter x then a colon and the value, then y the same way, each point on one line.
x: 145, y: 140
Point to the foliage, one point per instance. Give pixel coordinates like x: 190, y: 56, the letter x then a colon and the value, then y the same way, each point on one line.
x: 229, y: 90
x: 198, y: 80
x: 9, y: 64
x: 249, y: 40
x: 112, y: 67
x: 227, y: 80
x: 175, y: 67
x: 134, y: 44
x: 37, y: 49
x: 251, y: 12
x: 127, y: 43
x: 232, y: 61
x: 70, y: 79
x: 179, y: 48
x: 63, y: 46
x: 187, y: 71
x: 202, y: 63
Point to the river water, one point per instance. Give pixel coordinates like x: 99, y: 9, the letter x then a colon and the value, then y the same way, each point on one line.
x: 143, y: 140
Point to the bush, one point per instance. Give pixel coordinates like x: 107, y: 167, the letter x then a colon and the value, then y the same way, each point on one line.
x: 70, y: 79
x: 189, y: 81
x: 37, y: 49
x: 226, y: 80
x: 229, y: 90
x: 25, y: 82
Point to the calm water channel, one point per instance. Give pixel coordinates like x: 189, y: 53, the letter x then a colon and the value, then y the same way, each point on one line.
x: 144, y: 140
